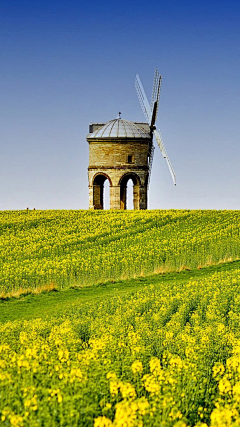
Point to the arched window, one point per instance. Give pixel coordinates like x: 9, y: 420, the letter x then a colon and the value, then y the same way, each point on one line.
x: 101, y: 197
x: 129, y: 193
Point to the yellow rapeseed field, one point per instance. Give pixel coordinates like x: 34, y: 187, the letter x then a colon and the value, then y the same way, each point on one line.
x: 83, y: 247
x: 157, y: 357
x: 162, y: 355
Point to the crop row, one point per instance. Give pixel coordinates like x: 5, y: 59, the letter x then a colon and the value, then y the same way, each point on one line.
x: 156, y: 356
x: 83, y: 247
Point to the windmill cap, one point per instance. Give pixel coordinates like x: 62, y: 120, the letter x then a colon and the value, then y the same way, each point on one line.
x: 119, y: 128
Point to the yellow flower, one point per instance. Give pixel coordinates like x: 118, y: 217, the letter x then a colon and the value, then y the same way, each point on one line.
x: 155, y: 366
x: 224, y: 386
x: 143, y: 406
x: 63, y: 355
x: 223, y: 417
x: 111, y: 375
x: 23, y: 337
x: 218, y: 369
x: 108, y: 406
x: 126, y: 414
x: 137, y: 366
x: 102, y: 422
x: 59, y: 398
x: 151, y: 384
x: 16, y: 420
x: 114, y: 387
x: 127, y: 390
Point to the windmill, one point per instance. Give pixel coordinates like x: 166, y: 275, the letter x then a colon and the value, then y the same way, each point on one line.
x: 150, y: 113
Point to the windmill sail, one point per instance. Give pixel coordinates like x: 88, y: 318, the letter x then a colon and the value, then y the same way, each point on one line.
x: 143, y: 99
x: 155, y: 95
x: 150, y: 114
x: 165, y: 155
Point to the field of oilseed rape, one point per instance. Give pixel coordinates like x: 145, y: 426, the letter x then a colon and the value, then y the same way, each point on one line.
x: 161, y: 354
x: 82, y: 247
x: 108, y: 350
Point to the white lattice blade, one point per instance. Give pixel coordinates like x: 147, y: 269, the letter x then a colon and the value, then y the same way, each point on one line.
x: 157, y: 98
x: 156, y: 88
x: 160, y: 142
x: 171, y: 170
x: 143, y: 99
x: 165, y: 155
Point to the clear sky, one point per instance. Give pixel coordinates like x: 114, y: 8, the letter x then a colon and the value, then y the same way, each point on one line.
x: 64, y: 64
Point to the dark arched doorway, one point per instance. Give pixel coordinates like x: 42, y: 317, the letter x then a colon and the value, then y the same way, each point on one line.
x: 99, y: 200
x: 123, y: 190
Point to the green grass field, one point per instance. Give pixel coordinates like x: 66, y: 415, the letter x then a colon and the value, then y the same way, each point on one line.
x: 120, y: 318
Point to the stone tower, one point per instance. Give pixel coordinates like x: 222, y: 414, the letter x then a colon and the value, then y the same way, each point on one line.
x: 118, y: 151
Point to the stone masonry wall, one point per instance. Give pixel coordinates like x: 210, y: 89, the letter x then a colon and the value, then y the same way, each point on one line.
x: 119, y: 159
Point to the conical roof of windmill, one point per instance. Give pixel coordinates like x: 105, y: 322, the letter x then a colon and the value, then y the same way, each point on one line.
x: 119, y: 128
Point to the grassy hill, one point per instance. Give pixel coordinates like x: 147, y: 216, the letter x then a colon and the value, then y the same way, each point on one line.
x: 116, y: 345
x: 83, y: 248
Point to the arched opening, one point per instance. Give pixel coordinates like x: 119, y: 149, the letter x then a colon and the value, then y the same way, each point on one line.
x: 101, y: 190
x: 129, y: 195
x: 125, y: 191
x: 106, y: 194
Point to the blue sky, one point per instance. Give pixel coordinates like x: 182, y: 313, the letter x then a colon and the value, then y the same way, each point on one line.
x: 64, y: 64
